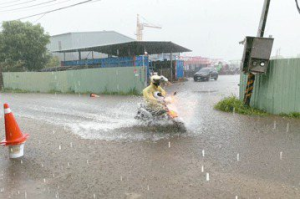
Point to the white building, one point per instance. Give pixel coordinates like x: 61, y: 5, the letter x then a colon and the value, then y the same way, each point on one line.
x: 77, y: 40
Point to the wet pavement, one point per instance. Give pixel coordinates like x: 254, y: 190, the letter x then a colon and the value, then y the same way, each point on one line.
x: 82, y: 147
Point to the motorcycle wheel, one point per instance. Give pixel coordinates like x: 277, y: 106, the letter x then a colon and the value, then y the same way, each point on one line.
x: 180, y: 126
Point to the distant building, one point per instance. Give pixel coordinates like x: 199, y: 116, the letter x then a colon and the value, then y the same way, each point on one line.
x: 77, y: 40
x: 195, y: 63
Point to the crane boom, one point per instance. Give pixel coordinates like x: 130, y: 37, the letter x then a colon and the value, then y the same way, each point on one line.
x: 140, y: 27
x: 151, y: 26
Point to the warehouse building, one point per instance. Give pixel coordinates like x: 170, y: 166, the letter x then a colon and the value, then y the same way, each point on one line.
x: 78, y: 40
x: 111, y: 49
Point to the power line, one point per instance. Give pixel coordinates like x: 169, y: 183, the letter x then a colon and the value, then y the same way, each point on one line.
x: 47, y: 2
x: 298, y: 7
x: 60, y: 2
x: 48, y: 5
x: 62, y: 8
x: 9, y: 2
x: 39, y: 18
x: 17, y: 4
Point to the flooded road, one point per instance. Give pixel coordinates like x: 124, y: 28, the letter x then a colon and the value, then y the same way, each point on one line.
x: 82, y: 147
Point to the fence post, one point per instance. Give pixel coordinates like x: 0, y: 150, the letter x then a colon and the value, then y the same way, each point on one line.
x: 1, y: 79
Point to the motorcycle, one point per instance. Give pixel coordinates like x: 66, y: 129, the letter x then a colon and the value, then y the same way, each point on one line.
x: 168, y: 113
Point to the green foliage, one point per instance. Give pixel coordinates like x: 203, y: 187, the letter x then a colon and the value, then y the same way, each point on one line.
x: 134, y: 91
x: 53, y: 61
x: 23, y: 46
x: 233, y: 104
x: 291, y: 115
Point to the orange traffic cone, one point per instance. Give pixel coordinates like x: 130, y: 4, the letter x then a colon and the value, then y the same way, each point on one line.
x: 94, y: 95
x: 15, y: 139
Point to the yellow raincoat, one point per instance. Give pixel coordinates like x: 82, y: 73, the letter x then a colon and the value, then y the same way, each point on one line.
x: 149, y: 98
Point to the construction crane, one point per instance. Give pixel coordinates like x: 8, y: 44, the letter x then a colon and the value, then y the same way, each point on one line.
x: 140, y: 27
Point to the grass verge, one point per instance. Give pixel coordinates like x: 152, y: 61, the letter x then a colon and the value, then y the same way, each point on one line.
x: 9, y: 90
x: 233, y: 104
x: 129, y: 93
x: 132, y: 91
x: 290, y: 115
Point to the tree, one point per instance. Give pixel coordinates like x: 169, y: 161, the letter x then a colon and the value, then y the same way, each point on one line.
x: 23, y: 46
x: 52, y: 62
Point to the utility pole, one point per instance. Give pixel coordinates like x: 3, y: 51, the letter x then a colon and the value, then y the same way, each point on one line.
x: 260, y: 33
x: 263, y: 19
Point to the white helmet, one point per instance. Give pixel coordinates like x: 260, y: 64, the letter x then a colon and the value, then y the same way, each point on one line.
x: 156, y: 79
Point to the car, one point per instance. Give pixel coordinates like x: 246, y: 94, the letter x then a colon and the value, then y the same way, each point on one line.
x: 205, y: 74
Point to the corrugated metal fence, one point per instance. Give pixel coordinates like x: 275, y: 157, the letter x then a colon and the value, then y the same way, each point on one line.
x: 110, y: 62
x: 279, y: 90
x: 100, y: 80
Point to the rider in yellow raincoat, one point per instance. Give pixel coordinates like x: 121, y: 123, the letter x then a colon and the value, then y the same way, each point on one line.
x: 149, y: 93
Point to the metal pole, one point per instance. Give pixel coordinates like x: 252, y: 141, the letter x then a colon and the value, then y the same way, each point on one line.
x: 171, y: 59
x: 79, y: 55
x: 144, y: 69
x: 263, y: 19
x: 260, y: 33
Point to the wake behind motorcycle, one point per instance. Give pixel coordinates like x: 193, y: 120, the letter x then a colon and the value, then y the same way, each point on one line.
x: 168, y: 113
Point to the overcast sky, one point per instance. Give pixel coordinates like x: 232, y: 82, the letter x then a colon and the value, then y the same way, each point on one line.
x: 210, y: 28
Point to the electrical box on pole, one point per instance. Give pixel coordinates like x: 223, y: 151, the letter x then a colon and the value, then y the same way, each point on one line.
x: 257, y: 53
x: 249, y: 56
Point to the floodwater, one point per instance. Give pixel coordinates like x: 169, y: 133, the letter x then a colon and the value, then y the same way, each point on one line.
x: 105, y: 118
x: 82, y: 147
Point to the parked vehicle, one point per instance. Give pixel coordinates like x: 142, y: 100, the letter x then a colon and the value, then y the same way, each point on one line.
x: 205, y: 74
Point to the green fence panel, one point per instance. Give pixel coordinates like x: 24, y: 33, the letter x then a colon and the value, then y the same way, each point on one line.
x: 278, y: 91
x: 100, y: 80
